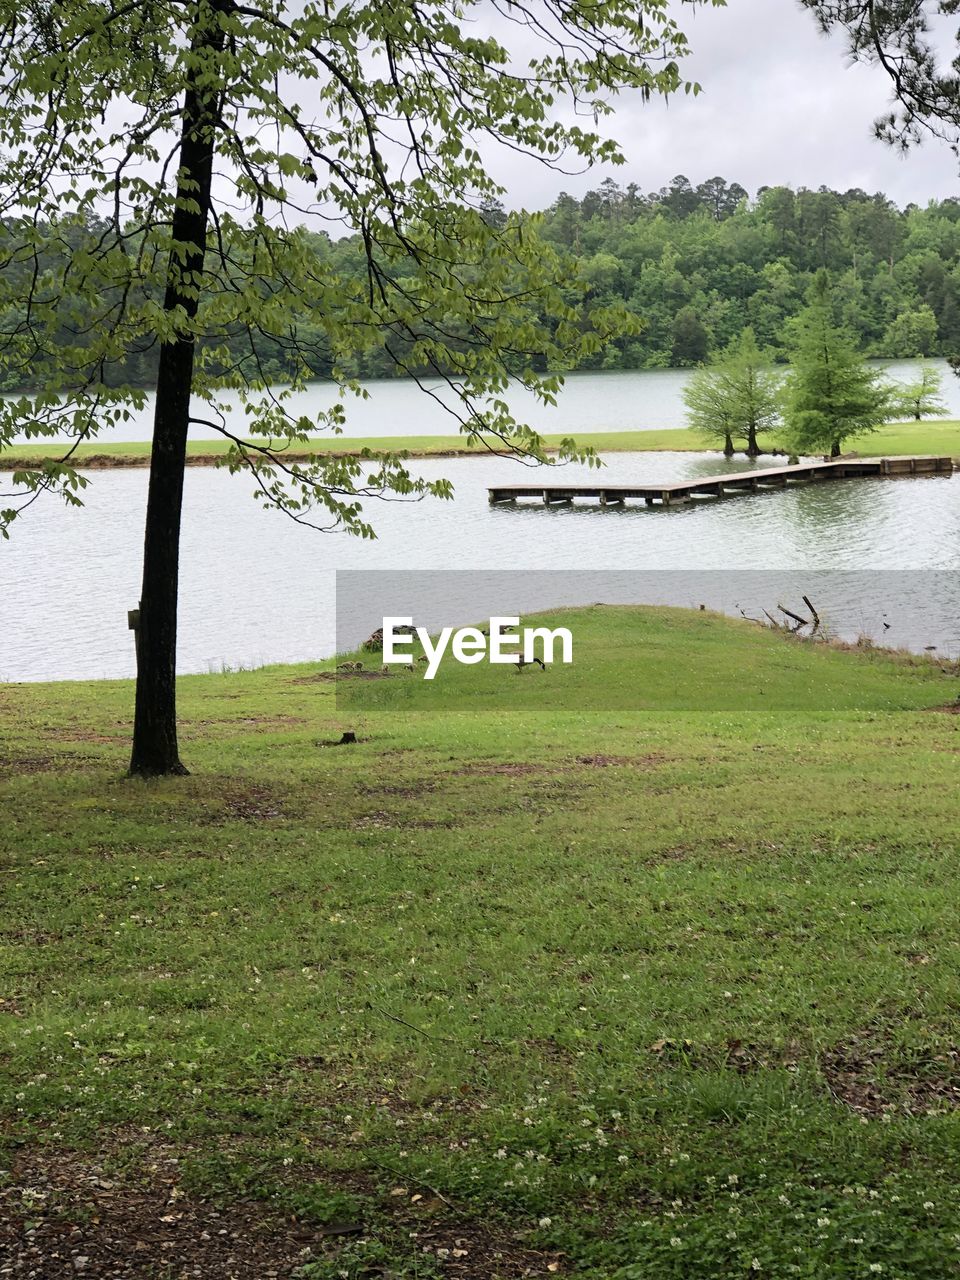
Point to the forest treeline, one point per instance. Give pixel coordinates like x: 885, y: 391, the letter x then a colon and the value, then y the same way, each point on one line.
x: 701, y: 264
x: 696, y: 264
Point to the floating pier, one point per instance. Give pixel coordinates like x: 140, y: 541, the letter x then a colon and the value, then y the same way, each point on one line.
x: 667, y: 495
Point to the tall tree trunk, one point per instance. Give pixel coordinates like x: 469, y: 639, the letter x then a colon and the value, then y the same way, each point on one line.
x: 728, y: 449
x: 835, y: 449
x: 155, y: 749
x: 753, y: 449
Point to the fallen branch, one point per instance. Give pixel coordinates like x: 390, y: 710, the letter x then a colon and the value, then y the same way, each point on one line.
x: 804, y: 622
x: 816, y: 616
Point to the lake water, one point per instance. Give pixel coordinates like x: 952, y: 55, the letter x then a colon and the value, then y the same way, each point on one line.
x: 633, y: 401
x: 257, y: 588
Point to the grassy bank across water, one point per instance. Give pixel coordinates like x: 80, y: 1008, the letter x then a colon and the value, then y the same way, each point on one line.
x: 644, y: 967
x: 940, y: 438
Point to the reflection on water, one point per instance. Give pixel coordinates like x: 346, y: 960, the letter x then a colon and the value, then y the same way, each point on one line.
x: 257, y: 588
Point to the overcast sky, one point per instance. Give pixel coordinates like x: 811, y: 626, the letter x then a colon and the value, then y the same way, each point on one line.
x: 780, y: 104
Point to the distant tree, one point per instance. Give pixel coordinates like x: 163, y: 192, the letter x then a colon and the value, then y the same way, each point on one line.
x: 778, y: 206
x: 818, y: 224
x: 830, y: 393
x: 709, y: 409
x: 564, y: 224
x: 493, y: 213
x: 721, y: 199
x: 912, y: 333
x: 690, y: 338
x: 679, y: 199
x: 611, y: 199
x: 922, y: 398
x: 738, y: 396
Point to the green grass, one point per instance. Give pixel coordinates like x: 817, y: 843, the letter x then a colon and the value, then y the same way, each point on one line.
x: 652, y: 986
x: 941, y: 438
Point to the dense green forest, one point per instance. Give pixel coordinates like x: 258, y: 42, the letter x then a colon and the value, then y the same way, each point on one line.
x: 697, y: 264
x: 700, y: 264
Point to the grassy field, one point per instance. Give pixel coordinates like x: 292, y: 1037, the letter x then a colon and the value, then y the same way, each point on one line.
x: 941, y: 438
x: 531, y: 980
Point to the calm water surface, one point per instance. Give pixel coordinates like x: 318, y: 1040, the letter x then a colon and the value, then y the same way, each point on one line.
x: 632, y: 401
x: 258, y: 588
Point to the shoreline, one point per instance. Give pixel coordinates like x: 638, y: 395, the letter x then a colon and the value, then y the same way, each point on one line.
x: 937, y: 437
x: 820, y: 637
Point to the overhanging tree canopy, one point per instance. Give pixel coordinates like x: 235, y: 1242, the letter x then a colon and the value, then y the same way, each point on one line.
x: 159, y: 161
x: 901, y: 36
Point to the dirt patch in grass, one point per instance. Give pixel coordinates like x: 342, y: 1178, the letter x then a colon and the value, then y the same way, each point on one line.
x: 67, y: 1214
x: 866, y: 1076
x: 16, y: 766
x: 250, y: 802
x: 948, y: 709
x: 62, y: 1215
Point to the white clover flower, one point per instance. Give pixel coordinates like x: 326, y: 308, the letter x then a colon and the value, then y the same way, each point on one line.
x: 545, y: 1222
x: 676, y: 1242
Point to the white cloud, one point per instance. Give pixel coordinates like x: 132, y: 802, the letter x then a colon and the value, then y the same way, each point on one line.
x: 780, y: 104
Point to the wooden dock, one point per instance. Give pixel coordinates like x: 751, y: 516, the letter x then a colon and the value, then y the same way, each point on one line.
x: 754, y: 481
